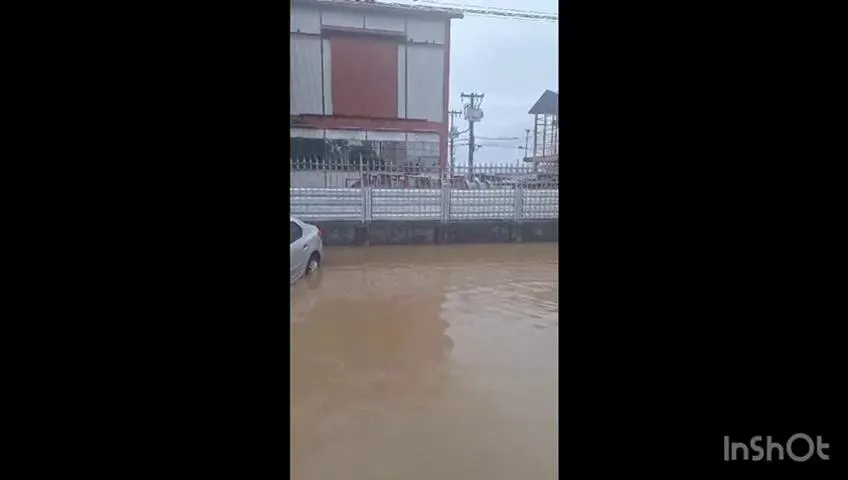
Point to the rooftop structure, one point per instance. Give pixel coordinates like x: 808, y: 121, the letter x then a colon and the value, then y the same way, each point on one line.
x: 545, y: 111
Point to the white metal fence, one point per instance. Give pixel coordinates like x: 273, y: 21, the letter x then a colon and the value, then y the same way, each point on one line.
x: 356, y: 171
x: 445, y: 204
x: 365, y: 187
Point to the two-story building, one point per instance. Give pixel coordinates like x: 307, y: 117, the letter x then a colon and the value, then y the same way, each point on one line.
x: 371, y: 77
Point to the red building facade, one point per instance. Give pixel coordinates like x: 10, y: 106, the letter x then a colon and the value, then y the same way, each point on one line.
x: 370, y: 76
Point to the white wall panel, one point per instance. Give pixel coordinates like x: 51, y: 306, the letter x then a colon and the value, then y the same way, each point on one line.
x: 341, y: 18
x: 306, y: 78
x: 384, y: 22
x: 385, y: 136
x: 401, y: 101
x: 328, y: 77
x: 307, y: 133
x: 305, y: 20
x: 345, y: 135
x: 422, y: 137
x: 424, y: 80
x: 425, y: 31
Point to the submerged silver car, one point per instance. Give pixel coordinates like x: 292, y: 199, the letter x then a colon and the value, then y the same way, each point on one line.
x: 306, y: 248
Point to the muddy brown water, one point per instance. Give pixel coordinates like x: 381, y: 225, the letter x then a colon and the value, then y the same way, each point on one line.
x: 426, y: 362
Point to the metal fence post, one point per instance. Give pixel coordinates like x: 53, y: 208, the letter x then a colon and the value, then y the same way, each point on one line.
x: 518, y: 204
x: 446, y: 202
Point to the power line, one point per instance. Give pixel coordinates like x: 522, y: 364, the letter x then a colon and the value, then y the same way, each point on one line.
x: 490, y: 145
x: 512, y: 17
x: 487, y: 7
x: 513, y: 14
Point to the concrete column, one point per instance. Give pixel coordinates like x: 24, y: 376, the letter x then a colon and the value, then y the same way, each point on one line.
x: 518, y: 204
x: 367, y: 200
x: 446, y: 201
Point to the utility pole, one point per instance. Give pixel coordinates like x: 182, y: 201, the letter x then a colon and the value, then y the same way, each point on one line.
x: 472, y: 114
x: 453, y: 134
x: 526, y: 142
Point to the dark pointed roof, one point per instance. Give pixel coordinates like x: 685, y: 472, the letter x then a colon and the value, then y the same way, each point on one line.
x: 548, y: 104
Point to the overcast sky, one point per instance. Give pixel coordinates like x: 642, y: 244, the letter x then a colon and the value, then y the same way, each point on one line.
x: 511, y: 61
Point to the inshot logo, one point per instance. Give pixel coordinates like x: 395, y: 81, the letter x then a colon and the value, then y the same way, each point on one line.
x: 795, y: 449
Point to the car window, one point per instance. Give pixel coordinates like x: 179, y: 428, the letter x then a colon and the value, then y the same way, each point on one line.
x: 296, y: 232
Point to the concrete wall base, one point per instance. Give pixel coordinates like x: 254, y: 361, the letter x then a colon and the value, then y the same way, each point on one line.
x: 423, y: 232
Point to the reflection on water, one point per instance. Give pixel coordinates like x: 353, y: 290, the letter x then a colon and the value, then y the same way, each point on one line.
x: 426, y: 362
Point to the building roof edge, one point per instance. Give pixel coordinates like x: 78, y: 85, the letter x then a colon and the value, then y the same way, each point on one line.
x: 396, y: 8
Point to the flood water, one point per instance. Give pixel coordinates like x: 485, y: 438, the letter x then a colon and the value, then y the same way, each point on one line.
x: 426, y: 362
